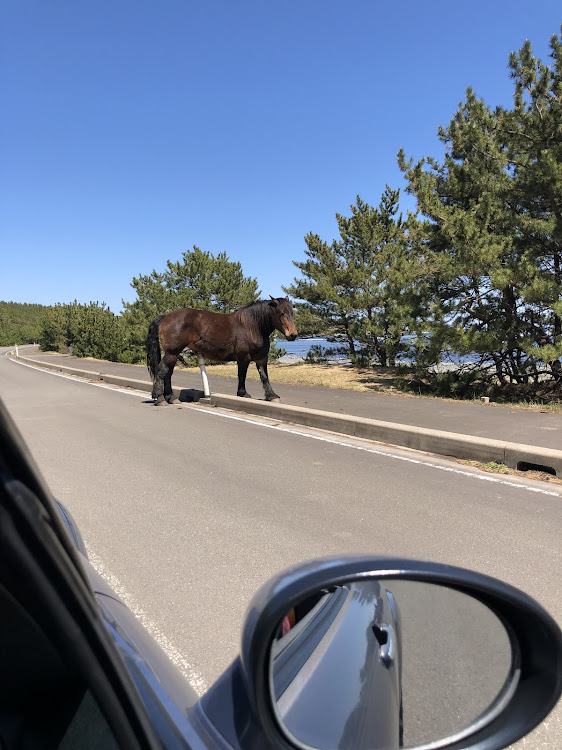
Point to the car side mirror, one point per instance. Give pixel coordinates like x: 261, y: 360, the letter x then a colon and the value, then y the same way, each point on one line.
x: 373, y: 654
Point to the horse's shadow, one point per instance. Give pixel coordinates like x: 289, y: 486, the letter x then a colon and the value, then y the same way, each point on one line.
x: 186, y: 395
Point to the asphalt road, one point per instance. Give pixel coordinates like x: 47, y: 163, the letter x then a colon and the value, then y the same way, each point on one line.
x: 451, y: 674
x: 189, y: 511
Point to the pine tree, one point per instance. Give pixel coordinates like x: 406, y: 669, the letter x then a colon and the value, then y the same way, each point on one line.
x: 363, y: 285
x: 199, y: 280
x: 493, y: 228
x: 20, y: 323
x: 90, y: 330
x: 534, y: 132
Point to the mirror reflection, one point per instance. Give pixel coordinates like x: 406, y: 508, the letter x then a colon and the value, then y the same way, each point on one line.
x: 378, y: 665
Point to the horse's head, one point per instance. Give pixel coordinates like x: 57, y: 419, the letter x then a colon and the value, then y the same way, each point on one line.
x: 282, y: 310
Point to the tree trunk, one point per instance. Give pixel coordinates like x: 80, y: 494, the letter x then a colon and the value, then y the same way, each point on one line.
x: 350, y: 341
x: 500, y: 373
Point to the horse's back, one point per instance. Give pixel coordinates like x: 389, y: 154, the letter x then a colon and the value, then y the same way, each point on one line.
x: 194, y: 314
x: 217, y: 336
x: 208, y: 333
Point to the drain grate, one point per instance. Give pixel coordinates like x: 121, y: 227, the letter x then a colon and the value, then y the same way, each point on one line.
x: 525, y: 466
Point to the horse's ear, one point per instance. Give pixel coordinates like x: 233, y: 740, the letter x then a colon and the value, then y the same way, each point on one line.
x: 275, y: 302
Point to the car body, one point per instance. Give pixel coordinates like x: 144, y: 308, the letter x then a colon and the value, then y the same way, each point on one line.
x: 312, y: 646
x: 77, y: 669
x: 359, y: 699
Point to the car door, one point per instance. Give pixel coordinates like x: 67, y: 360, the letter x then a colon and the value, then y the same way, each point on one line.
x: 62, y: 682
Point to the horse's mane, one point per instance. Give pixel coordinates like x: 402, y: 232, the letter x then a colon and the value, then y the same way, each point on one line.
x: 257, y: 313
x: 257, y: 304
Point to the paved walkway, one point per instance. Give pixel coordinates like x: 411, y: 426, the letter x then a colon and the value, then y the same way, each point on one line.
x: 507, y: 423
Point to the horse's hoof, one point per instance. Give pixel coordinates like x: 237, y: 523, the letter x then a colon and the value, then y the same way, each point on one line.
x: 243, y: 395
x: 273, y: 398
x: 159, y: 401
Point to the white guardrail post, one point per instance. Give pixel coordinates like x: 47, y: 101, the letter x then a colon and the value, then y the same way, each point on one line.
x: 206, y: 390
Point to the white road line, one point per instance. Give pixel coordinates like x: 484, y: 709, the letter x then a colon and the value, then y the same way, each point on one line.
x: 196, y: 681
x: 107, y: 386
x: 281, y: 428
x: 379, y: 452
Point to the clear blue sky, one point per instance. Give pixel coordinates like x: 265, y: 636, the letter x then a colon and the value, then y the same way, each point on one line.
x: 132, y: 130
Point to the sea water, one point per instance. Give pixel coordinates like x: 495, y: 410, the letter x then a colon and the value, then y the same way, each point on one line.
x: 299, y: 349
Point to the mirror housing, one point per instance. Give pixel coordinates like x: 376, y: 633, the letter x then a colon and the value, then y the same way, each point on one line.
x: 537, y: 636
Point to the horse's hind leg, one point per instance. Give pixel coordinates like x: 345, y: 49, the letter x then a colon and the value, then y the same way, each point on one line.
x: 168, y: 392
x: 162, y: 389
x: 158, y: 385
x: 242, y: 370
x: 270, y: 394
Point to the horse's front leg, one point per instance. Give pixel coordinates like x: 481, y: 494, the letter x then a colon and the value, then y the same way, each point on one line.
x: 270, y: 394
x: 242, y: 370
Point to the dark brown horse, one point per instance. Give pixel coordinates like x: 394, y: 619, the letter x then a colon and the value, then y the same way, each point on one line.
x: 242, y: 335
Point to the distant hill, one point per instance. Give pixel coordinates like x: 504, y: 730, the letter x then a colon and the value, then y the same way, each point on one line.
x: 20, y: 323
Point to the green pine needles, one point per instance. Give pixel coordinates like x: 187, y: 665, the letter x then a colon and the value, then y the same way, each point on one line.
x: 476, y: 273
x: 491, y: 214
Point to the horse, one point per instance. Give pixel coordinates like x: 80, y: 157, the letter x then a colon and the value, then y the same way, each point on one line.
x: 242, y: 335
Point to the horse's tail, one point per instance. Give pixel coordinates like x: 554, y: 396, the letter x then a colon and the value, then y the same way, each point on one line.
x: 153, y: 355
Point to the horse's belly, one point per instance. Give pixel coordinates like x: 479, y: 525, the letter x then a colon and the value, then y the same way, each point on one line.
x: 216, y: 353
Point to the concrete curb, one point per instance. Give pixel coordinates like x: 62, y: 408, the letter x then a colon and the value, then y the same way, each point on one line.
x: 455, y: 445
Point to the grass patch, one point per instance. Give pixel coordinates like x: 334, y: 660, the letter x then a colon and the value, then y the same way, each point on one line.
x: 347, y: 377
x: 384, y: 381
x: 492, y: 466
